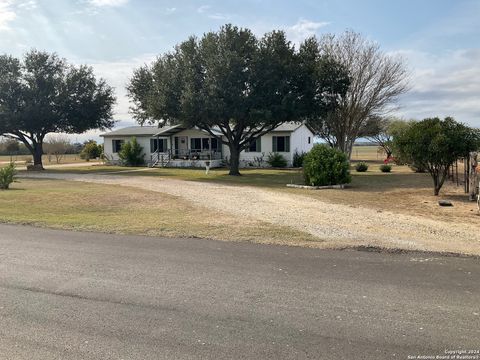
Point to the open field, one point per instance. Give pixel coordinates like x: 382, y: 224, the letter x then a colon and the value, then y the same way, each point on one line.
x: 47, y: 160
x: 103, y: 208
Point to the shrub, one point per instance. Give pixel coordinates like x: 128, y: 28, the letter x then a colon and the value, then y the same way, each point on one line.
x: 298, y: 159
x: 91, y: 150
x: 131, y: 153
x: 386, y: 168
x: 276, y: 160
x: 361, y: 167
x: 324, y: 165
x: 7, y: 176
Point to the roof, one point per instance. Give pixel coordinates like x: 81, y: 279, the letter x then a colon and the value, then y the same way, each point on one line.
x: 133, y: 131
x: 169, y: 130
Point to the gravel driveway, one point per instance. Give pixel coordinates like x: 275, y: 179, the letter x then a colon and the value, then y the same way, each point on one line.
x: 339, y: 225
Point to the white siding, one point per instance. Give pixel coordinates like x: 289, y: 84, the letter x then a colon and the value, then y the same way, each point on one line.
x: 144, y: 142
x: 299, y: 140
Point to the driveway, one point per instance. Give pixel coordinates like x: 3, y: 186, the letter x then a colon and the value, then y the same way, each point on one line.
x: 72, y: 295
x: 339, y: 225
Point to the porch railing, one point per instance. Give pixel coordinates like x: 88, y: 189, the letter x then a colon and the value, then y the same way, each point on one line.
x: 164, y: 157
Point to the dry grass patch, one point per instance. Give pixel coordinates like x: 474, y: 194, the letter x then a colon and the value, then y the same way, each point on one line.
x: 126, y: 210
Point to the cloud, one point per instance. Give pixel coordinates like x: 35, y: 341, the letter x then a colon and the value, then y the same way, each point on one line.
x: 28, y: 5
x: 443, y: 85
x: 170, y: 10
x: 7, y: 14
x: 203, y: 9
x: 304, y: 29
x: 107, y: 3
x: 206, y: 9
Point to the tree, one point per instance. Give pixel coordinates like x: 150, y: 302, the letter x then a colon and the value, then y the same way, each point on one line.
x: 324, y: 165
x: 382, y: 130
x: 229, y: 83
x: 376, y: 81
x: 43, y: 94
x: 57, y: 146
x: 132, y: 153
x: 435, y: 145
x: 91, y: 150
x: 12, y: 146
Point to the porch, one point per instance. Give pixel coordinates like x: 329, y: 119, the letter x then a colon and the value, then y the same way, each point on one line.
x: 186, y: 158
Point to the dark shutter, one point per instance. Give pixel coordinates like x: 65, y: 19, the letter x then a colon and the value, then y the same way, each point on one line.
x: 259, y: 145
x: 274, y: 143
x: 152, y: 145
x: 287, y: 143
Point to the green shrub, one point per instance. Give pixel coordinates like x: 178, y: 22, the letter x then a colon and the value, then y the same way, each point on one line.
x: 361, y: 167
x: 7, y: 176
x: 131, y: 153
x: 91, y: 150
x: 386, y: 168
x: 276, y: 160
x: 324, y: 165
x: 298, y: 159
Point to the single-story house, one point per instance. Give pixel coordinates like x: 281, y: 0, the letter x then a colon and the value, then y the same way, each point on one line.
x: 178, y: 146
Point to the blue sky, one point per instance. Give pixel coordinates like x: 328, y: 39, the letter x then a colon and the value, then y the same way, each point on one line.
x: 440, y: 40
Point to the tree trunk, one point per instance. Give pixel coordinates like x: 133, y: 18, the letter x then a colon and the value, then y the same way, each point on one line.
x: 37, y: 156
x: 472, y: 176
x: 234, y: 161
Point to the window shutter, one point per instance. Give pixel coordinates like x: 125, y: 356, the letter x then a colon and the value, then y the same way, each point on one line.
x: 287, y: 143
x: 274, y: 144
x: 259, y: 145
x: 152, y: 145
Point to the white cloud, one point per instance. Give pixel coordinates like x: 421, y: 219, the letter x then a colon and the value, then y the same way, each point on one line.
x: 7, y: 14
x: 28, y: 5
x: 304, y: 29
x: 107, y: 3
x: 443, y: 85
x: 207, y: 10
x: 170, y: 10
x: 203, y: 9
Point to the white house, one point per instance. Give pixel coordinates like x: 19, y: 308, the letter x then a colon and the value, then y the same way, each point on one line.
x: 178, y: 146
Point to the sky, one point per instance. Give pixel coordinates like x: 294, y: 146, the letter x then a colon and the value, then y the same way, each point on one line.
x: 439, y: 39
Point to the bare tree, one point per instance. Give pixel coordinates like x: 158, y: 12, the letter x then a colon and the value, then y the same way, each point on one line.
x: 58, y: 146
x: 376, y: 81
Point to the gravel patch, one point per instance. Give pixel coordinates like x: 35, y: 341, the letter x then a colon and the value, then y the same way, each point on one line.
x: 339, y: 225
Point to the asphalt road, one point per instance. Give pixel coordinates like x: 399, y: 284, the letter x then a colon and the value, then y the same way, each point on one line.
x: 67, y: 295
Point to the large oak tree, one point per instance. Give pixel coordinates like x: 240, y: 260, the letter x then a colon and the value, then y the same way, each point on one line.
x: 229, y: 81
x: 43, y: 94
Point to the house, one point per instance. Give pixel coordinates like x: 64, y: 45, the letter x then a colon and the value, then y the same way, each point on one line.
x: 179, y: 146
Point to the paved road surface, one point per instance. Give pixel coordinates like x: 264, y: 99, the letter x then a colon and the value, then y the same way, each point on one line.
x: 67, y: 295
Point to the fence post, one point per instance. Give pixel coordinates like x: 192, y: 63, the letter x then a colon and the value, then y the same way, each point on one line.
x: 472, y: 177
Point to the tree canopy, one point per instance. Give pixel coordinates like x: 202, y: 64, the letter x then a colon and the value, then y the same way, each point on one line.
x: 376, y: 81
x: 233, y: 82
x: 43, y: 94
x: 435, y: 144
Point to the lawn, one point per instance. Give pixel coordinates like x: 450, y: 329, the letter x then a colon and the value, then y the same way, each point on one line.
x: 401, y: 191
x: 95, y: 207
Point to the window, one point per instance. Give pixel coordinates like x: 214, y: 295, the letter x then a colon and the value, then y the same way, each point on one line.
x: 281, y: 143
x: 117, y: 145
x: 196, y: 144
x: 200, y: 144
x: 255, y: 146
x: 158, y: 145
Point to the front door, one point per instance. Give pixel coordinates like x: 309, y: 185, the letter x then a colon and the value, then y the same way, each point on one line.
x: 182, y: 145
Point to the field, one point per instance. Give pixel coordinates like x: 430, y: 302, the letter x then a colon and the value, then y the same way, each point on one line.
x: 47, y: 159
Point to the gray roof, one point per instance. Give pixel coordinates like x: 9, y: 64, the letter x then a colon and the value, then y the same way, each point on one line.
x: 289, y: 126
x: 133, y: 131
